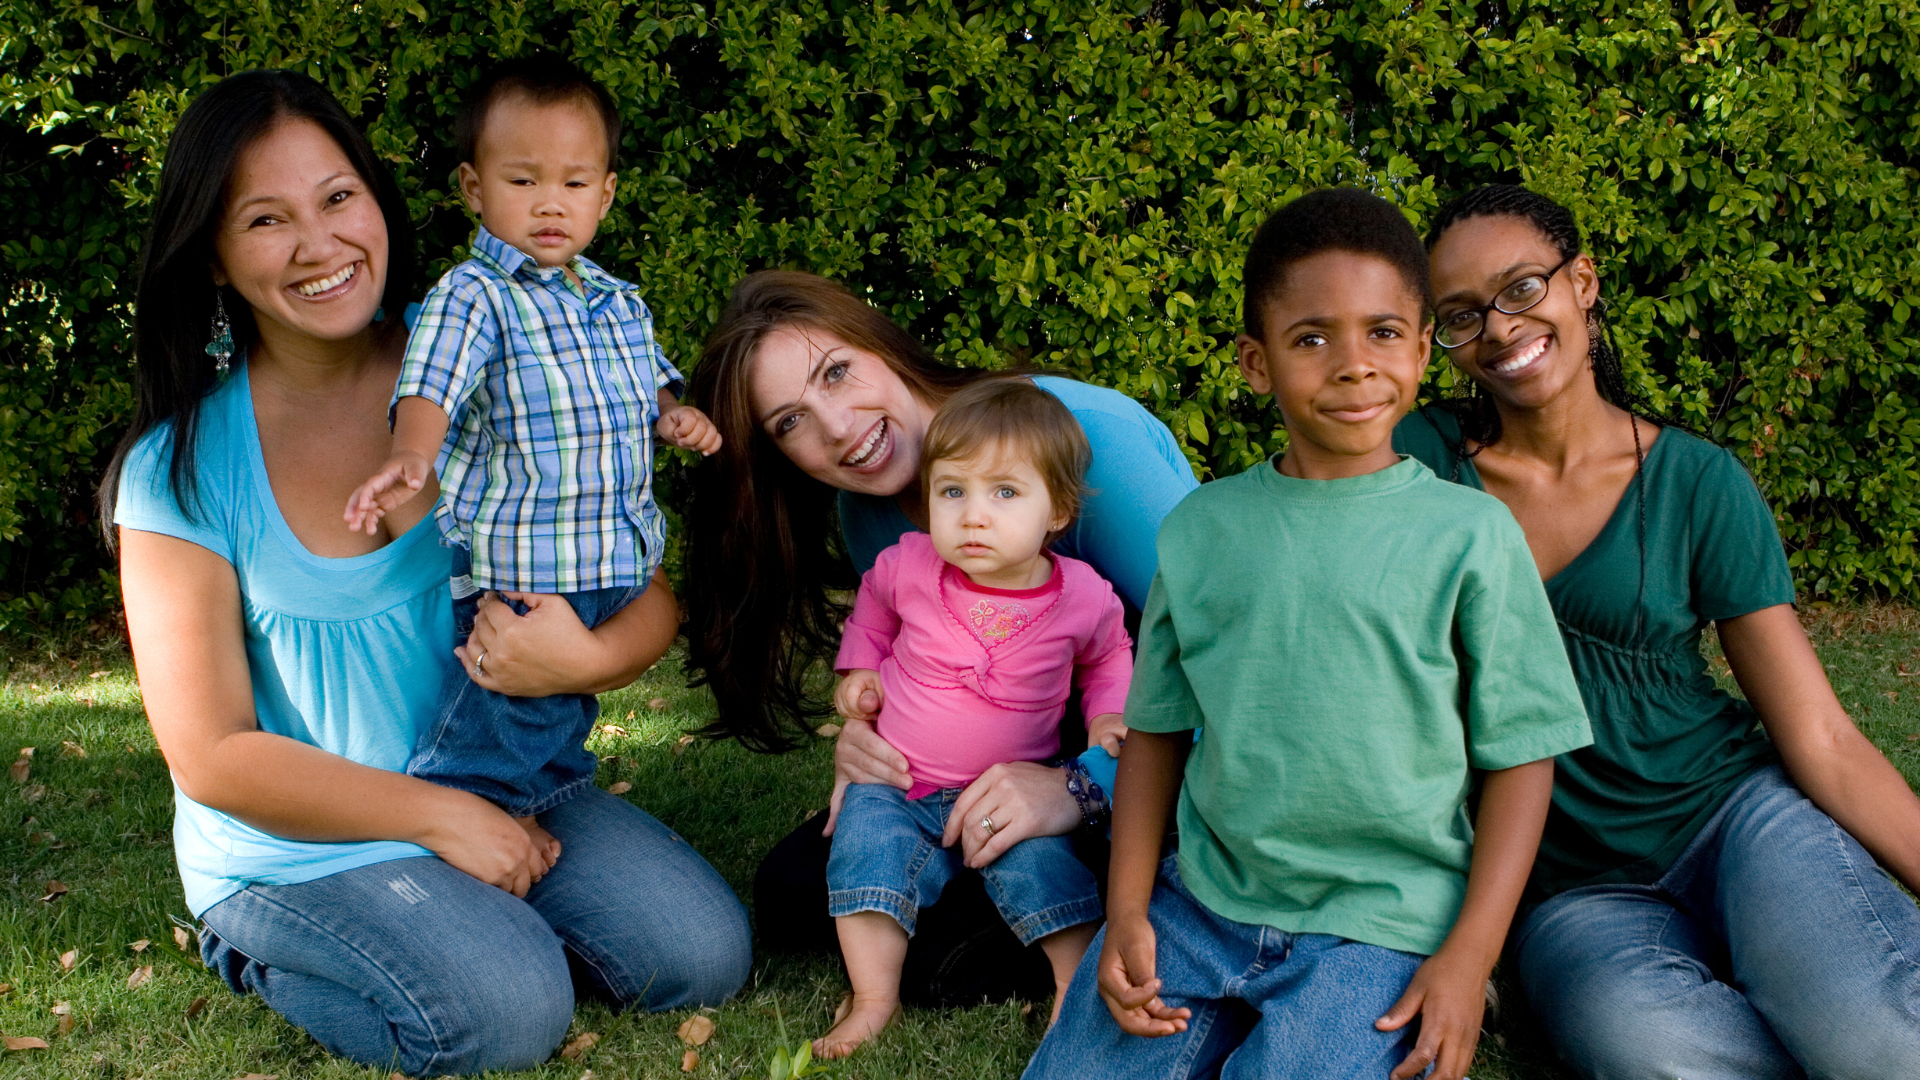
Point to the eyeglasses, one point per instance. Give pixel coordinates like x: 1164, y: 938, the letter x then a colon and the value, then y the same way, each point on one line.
x: 1521, y: 294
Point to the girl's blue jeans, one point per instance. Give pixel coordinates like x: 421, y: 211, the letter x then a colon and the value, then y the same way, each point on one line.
x: 413, y: 966
x: 1774, y: 947
x: 1266, y: 1003
x: 887, y: 857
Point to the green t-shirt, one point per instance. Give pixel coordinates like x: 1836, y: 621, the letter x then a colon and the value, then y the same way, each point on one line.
x: 1352, y: 648
x: 1669, y: 745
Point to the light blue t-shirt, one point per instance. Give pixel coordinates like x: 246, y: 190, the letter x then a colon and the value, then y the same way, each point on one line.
x: 1138, y: 475
x: 345, y: 654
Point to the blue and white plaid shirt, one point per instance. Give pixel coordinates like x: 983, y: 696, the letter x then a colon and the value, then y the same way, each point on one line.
x: 547, y: 471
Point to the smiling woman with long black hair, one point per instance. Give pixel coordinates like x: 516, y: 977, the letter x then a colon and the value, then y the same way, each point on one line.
x: 288, y: 663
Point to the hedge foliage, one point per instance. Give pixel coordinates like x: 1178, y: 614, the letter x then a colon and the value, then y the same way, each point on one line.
x: 1071, y: 184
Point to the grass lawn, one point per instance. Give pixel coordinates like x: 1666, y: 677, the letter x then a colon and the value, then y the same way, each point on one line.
x: 95, y: 815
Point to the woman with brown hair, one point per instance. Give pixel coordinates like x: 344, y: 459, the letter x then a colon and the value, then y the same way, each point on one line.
x: 823, y: 403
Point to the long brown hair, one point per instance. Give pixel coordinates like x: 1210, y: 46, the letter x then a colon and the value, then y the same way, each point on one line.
x: 763, y: 546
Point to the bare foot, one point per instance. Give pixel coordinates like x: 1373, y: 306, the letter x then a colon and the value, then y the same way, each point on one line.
x: 858, y: 1020
x: 546, y: 848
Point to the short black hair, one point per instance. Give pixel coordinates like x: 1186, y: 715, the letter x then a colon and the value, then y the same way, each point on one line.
x: 1554, y: 221
x: 548, y: 79
x: 1331, y: 219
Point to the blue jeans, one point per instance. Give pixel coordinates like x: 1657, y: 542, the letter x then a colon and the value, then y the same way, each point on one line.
x: 887, y: 857
x: 1266, y: 1003
x: 413, y: 965
x: 1774, y: 947
x: 525, y: 755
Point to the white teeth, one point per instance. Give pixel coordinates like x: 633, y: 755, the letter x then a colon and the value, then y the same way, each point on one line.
x: 314, y: 288
x: 867, y: 448
x: 1526, y: 356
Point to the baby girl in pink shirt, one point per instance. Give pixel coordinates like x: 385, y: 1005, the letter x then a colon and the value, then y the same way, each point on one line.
x: 966, y: 642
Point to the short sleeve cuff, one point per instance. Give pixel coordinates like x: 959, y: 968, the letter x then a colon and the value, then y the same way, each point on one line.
x: 1534, y: 746
x: 1162, y: 720
x: 179, y: 530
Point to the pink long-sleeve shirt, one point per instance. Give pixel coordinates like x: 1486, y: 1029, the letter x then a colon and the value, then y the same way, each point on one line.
x: 973, y: 676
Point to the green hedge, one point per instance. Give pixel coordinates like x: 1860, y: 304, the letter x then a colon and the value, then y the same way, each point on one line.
x: 1043, y: 181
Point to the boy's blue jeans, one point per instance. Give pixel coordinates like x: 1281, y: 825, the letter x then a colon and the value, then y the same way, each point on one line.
x: 1266, y: 1003
x: 525, y: 755
x: 887, y: 857
x: 1774, y: 948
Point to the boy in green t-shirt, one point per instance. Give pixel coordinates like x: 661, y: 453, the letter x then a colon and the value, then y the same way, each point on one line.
x: 1356, y: 636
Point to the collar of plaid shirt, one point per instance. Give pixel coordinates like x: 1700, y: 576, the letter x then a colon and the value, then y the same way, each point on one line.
x: 509, y: 260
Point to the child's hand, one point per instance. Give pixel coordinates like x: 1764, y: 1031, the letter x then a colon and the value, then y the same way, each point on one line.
x: 400, y: 479
x: 1127, y: 982
x: 858, y: 696
x: 688, y: 428
x: 1107, y: 731
x: 1448, y: 993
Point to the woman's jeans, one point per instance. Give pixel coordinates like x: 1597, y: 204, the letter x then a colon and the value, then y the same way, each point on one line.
x: 412, y: 965
x: 1774, y: 947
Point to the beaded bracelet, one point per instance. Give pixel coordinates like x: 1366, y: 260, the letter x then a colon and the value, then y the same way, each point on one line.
x: 1086, y: 791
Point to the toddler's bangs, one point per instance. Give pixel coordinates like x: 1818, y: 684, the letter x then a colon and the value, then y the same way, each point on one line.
x: 1012, y: 415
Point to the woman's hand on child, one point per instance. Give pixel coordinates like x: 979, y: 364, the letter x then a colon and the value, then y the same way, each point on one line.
x: 1128, y: 984
x: 400, y: 479
x: 1107, y: 731
x: 688, y: 428
x: 1448, y: 994
x: 1024, y: 799
x: 861, y: 756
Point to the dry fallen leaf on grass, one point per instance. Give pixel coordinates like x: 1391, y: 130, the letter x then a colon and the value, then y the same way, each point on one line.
x: 24, y: 1042
x: 696, y: 1030
x: 34, y: 793
x: 72, y: 749
x: 55, y: 890
x: 68, y: 959
x: 21, y: 769
x: 199, y: 1006
x: 180, y: 937
x: 656, y: 704
x: 680, y: 745
x: 619, y: 788
x: 98, y: 675
x: 613, y: 729
x: 261, y: 1076
x: 141, y: 945
x: 827, y: 731
x: 690, y: 1061
x: 580, y: 1045
x: 6, y: 988
x: 62, y: 1008
x: 139, y: 977
x: 66, y: 1024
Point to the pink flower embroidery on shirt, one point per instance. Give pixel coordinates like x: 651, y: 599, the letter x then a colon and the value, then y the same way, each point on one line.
x: 996, y: 623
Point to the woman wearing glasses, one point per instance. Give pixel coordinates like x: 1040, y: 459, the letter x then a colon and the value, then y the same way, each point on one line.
x: 1710, y: 899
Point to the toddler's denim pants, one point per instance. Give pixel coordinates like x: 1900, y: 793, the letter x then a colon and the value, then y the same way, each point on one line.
x: 1774, y: 948
x: 887, y: 857
x: 1266, y: 1003
x: 525, y: 755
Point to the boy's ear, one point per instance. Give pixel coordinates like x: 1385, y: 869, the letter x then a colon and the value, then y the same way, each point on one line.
x: 606, y: 194
x: 1253, y: 363
x: 470, y: 186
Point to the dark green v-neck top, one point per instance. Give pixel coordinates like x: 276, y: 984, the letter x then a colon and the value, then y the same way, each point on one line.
x: 1669, y: 745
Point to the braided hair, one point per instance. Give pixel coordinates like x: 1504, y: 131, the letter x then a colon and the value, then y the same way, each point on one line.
x: 1473, y: 407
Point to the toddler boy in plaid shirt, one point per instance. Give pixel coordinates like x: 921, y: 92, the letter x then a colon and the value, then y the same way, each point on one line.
x: 534, y: 377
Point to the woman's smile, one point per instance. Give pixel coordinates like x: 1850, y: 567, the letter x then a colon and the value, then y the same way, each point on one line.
x: 1517, y: 359
x: 338, y: 283
x: 873, y: 451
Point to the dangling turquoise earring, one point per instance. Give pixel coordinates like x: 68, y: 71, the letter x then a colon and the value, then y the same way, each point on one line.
x: 221, y: 347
